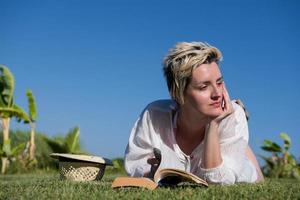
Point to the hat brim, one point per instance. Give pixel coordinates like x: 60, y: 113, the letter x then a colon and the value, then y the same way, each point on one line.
x: 86, y: 158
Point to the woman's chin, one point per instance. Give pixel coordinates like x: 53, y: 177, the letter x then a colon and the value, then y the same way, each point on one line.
x: 215, y: 113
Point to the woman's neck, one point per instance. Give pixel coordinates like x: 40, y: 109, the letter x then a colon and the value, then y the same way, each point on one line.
x: 190, y: 131
x: 190, y: 124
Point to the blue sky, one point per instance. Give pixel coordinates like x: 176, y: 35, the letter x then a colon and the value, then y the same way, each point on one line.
x: 97, y: 64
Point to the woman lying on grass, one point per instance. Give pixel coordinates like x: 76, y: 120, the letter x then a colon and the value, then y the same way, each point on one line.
x: 200, y: 130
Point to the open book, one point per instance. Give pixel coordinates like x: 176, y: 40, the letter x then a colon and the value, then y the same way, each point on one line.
x: 162, y: 177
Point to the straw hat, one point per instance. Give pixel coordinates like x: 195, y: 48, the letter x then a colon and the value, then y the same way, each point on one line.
x: 81, y: 167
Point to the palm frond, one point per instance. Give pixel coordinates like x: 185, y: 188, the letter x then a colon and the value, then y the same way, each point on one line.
x: 7, y: 85
x: 31, y: 106
x: 286, y: 140
x: 72, y: 140
x: 271, y: 146
x: 18, y: 149
x: 55, y: 146
x: 14, y: 111
x: 20, y: 114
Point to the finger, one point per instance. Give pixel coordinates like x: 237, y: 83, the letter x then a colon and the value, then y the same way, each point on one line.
x: 228, y: 105
x: 154, y: 165
x: 153, y: 161
x: 225, y: 92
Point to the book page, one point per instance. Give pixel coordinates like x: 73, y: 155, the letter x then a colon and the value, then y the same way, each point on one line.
x: 171, y: 176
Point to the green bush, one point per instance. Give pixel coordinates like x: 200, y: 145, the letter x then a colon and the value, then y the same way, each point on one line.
x: 118, y: 166
x: 19, y: 163
x: 281, y: 164
x: 42, y: 161
x: 69, y: 143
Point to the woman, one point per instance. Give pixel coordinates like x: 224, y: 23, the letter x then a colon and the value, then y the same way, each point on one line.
x: 200, y: 130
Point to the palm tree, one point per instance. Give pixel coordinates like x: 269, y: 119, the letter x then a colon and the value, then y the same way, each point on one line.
x: 7, y: 110
x: 32, y: 118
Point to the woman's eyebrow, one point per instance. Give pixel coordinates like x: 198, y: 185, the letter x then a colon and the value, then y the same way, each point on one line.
x: 208, y: 82
x: 220, y: 79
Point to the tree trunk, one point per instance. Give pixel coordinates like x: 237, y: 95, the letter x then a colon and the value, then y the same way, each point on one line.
x: 32, y: 143
x: 5, y: 126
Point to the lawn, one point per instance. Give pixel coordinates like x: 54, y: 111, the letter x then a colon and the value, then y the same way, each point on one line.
x: 48, y: 186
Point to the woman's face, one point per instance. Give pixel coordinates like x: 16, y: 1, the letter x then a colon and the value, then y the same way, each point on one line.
x: 204, y: 93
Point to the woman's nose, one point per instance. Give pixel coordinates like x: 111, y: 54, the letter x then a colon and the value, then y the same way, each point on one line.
x: 216, y: 91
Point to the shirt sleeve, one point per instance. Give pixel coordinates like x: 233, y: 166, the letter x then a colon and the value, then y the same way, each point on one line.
x: 140, y: 146
x: 233, y: 143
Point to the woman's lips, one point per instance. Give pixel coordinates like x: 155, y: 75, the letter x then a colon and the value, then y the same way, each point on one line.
x: 216, y: 105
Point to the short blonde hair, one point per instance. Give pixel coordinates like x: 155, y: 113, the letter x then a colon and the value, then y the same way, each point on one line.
x: 180, y: 62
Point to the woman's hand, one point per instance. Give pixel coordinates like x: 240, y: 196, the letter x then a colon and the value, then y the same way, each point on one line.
x: 154, y: 162
x: 212, y: 153
x: 227, y: 107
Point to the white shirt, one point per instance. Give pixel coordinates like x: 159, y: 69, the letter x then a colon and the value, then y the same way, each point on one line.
x: 155, y: 128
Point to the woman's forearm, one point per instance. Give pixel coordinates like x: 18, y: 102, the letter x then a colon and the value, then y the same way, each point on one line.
x: 252, y: 158
x: 212, y: 154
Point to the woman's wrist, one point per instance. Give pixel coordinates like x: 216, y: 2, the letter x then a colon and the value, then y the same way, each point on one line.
x: 213, y: 128
x: 214, y: 124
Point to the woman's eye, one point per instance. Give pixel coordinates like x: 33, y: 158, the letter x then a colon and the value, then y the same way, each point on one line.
x: 203, y: 87
x: 220, y: 83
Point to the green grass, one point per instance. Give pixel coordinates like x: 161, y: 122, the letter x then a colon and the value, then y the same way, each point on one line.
x: 48, y: 186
